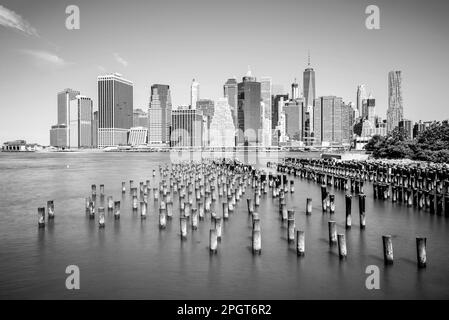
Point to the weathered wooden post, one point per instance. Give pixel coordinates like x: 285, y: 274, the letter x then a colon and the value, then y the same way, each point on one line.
x: 332, y: 203
x: 101, y: 220
x: 94, y: 190
x: 218, y: 226
x: 342, y: 252
x: 290, y: 229
x: 421, y: 252
x: 250, y: 205
x: 332, y: 232
x: 213, y: 241
x: 156, y: 194
x: 101, y: 189
x: 135, y: 203
x: 110, y: 203
x: 256, y: 242
x: 51, y: 209
x: 324, y: 197
x: 388, y: 249
x: 230, y: 204
x: 116, y: 210
x: 131, y: 185
x: 348, y: 201
x: 200, y: 210
x: 41, y: 217
x: 300, y: 243
x: 92, y: 210
x: 225, y: 210
x: 309, y: 206
x: 292, y: 186
x: 123, y: 187
x: 194, y: 219
x: 362, y: 210
x: 183, y: 226
x: 143, y: 210
x: 87, y: 204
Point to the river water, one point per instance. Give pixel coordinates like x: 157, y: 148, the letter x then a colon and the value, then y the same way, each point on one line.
x: 133, y: 259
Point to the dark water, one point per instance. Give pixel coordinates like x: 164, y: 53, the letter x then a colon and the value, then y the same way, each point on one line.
x: 134, y: 259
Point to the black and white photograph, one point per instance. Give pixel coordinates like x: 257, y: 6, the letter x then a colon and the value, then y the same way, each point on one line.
x: 224, y: 150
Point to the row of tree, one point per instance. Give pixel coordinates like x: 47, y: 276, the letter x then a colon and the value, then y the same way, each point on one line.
x: 431, y: 144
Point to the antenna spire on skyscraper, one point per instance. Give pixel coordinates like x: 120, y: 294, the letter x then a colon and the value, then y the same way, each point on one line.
x: 308, y: 58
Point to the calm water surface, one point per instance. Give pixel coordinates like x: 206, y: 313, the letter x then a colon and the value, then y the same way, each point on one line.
x: 133, y: 259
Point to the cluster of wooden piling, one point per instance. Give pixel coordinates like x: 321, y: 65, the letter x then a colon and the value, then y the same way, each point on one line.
x: 41, y: 213
x: 414, y: 186
x: 211, y: 190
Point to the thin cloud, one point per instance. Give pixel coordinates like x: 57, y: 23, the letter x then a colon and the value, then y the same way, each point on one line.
x: 46, y: 57
x: 120, y: 60
x: 10, y: 19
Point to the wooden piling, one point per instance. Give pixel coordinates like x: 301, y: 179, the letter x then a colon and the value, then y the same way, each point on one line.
x: 342, y: 251
x: 213, y: 241
x: 388, y: 249
x: 41, y: 217
x: 332, y: 232
x: 101, y: 219
x: 300, y: 243
x: 421, y: 252
x: 362, y: 210
x: 116, y: 210
x: 348, y: 201
x: 309, y: 206
x: 50, y: 209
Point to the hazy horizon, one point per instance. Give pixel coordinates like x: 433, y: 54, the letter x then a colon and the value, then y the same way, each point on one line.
x: 173, y: 41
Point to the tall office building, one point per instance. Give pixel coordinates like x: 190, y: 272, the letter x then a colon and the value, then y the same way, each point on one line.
x: 361, y: 96
x: 140, y: 118
x: 265, y: 92
x: 295, y: 90
x: 159, y: 114
x: 275, y: 100
x: 115, y: 109
x: 309, y: 84
x: 293, y: 111
x: 395, y: 112
x: 194, y: 93
x: 64, y: 98
x: 230, y: 92
x: 347, y: 119
x: 327, y: 118
x: 371, y: 109
x: 95, y: 130
x: 249, y: 110
x: 80, y: 123
x: 58, y: 136
x: 207, y: 107
x: 222, y: 129
x: 187, y: 128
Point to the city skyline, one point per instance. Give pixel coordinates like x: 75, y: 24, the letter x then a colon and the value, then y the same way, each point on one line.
x: 45, y: 58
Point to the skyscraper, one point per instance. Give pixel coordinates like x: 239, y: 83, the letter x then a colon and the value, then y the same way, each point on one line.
x: 159, y: 114
x: 187, y: 128
x: 371, y: 109
x: 295, y: 90
x: 265, y: 92
x: 276, y: 99
x: 64, y: 98
x: 309, y: 85
x: 222, y: 129
x: 115, y: 109
x: 80, y: 123
x: 327, y: 112
x: 249, y: 110
x: 347, y: 119
x: 293, y: 111
x: 194, y: 93
x: 406, y: 126
x: 395, y: 112
x: 230, y: 92
x: 361, y: 96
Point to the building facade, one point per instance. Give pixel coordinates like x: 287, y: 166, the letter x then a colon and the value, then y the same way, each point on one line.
x: 230, y: 92
x: 194, y: 93
x: 309, y: 85
x: 138, y: 136
x: 140, y: 118
x: 249, y: 111
x: 293, y: 111
x: 395, y: 112
x: 115, y: 110
x: 265, y: 92
x: 327, y: 120
x: 406, y: 126
x: 187, y: 128
x: 80, y: 123
x: 222, y: 129
x: 159, y: 114
x: 58, y: 136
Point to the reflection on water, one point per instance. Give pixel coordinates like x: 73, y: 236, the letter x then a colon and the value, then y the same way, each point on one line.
x: 133, y: 258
